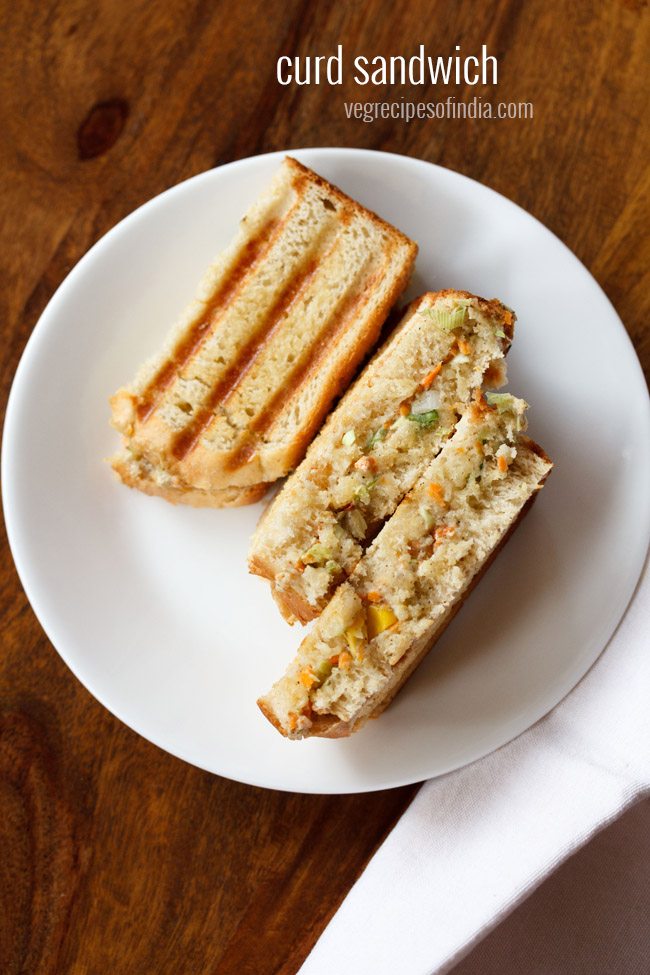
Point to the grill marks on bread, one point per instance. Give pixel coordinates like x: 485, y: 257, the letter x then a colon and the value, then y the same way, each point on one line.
x: 248, y: 355
x: 285, y: 316
x: 289, y: 315
x: 286, y: 399
x: 251, y: 253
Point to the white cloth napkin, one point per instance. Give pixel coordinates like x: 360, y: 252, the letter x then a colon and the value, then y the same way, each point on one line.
x: 475, y: 842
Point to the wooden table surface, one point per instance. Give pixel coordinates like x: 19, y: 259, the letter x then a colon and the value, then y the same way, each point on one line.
x: 115, y: 856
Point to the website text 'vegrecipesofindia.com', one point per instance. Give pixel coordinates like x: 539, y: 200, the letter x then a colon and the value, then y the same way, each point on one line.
x: 448, y: 108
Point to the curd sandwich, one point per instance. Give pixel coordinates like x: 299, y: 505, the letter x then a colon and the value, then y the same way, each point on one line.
x: 376, y: 444
x: 384, y: 618
x: 282, y: 319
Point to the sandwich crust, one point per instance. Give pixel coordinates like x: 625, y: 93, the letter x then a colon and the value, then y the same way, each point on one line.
x: 328, y: 726
x: 375, y: 444
x: 417, y: 573
x: 282, y: 319
x: 159, y: 484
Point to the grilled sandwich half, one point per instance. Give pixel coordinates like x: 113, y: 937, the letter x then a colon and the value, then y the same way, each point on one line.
x: 282, y: 319
x: 375, y: 445
x: 416, y: 574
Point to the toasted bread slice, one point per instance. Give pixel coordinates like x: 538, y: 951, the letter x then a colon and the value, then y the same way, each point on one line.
x: 282, y: 320
x: 414, y: 577
x: 138, y: 473
x: 375, y: 445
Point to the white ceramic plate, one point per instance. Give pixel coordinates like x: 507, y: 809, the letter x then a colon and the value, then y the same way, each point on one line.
x: 151, y: 605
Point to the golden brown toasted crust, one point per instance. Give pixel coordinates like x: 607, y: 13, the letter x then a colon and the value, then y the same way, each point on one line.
x: 308, y: 175
x: 227, y: 498
x: 189, y: 432
x: 293, y: 606
x: 536, y: 449
x: 270, y: 716
x: 325, y: 725
x: 338, y: 382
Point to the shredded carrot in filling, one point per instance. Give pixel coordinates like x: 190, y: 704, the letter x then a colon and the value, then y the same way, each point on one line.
x: 344, y: 660
x: 480, y: 400
x: 293, y: 720
x: 308, y: 678
x: 436, y: 492
x: 428, y: 379
x: 464, y: 346
x: 373, y: 596
x: 444, y: 531
x: 502, y: 464
x: 479, y: 446
x: 479, y: 406
x: 404, y: 409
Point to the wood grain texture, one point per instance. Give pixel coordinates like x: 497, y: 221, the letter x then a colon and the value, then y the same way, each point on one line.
x: 117, y: 857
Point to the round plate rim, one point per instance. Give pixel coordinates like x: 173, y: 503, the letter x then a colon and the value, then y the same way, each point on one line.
x: 575, y: 675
